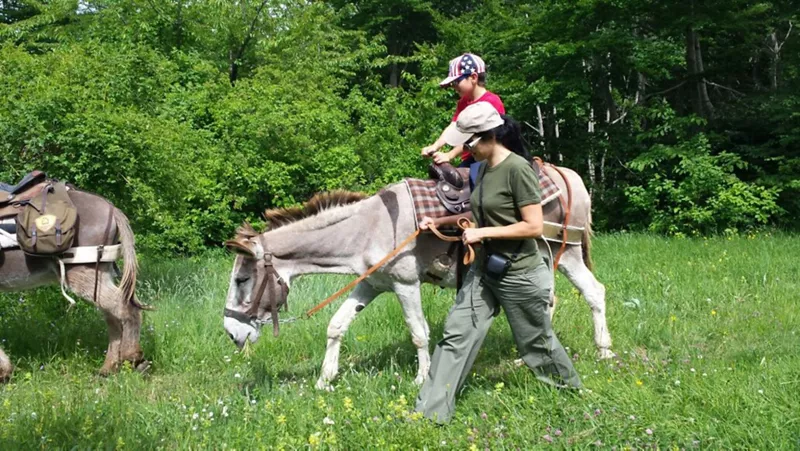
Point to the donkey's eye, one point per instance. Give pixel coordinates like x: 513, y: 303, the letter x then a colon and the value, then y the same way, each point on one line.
x: 242, y: 279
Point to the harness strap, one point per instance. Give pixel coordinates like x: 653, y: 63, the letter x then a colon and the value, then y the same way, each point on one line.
x: 566, y: 206
x: 100, y: 250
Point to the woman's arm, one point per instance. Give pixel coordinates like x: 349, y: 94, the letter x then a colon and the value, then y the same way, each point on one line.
x: 531, y: 226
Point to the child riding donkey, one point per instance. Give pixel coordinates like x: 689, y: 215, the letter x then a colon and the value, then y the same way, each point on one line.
x: 467, y: 76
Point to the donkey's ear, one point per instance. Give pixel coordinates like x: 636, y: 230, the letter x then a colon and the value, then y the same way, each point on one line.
x: 241, y: 247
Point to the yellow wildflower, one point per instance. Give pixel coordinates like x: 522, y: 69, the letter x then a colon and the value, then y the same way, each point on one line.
x: 713, y: 313
x: 348, y: 404
x: 639, y: 383
x: 281, y: 419
x: 313, y: 439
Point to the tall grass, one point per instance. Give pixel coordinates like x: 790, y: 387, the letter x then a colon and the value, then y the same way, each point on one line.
x: 707, y: 333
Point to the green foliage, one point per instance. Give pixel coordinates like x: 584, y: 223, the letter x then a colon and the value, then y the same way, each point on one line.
x: 194, y: 116
x: 689, y: 190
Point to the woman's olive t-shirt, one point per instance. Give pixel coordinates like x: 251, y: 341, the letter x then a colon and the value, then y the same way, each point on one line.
x: 499, y: 194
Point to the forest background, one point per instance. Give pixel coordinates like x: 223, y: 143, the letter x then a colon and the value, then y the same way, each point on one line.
x: 192, y: 116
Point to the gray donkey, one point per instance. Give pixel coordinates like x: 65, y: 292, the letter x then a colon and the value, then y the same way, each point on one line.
x: 346, y: 233
x: 118, y: 303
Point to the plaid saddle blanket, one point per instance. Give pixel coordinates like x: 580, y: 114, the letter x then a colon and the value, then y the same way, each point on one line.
x: 427, y: 203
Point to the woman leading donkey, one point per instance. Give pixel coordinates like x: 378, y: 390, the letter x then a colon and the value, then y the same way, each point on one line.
x: 509, y: 271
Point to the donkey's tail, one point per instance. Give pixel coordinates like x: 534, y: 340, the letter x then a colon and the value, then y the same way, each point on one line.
x: 127, y: 284
x: 586, y: 244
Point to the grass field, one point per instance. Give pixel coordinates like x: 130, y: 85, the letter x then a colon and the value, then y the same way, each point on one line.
x: 707, y: 334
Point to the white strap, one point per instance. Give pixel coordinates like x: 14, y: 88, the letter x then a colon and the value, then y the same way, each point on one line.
x: 64, y: 282
x: 88, y: 254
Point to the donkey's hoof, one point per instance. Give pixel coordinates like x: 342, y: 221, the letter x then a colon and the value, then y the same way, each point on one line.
x: 323, y: 384
x: 144, y: 366
x: 420, y: 379
x: 108, y: 370
x: 519, y: 362
x: 5, y: 373
x: 605, y: 353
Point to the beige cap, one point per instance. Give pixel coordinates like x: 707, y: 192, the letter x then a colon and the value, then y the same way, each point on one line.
x: 476, y: 118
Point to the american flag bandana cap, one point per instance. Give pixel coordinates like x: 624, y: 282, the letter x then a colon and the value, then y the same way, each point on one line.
x: 466, y: 64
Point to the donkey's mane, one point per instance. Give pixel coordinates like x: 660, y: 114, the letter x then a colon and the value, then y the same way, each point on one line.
x: 279, y: 217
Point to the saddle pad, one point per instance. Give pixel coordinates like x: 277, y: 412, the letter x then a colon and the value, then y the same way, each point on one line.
x: 426, y: 203
x: 8, y: 239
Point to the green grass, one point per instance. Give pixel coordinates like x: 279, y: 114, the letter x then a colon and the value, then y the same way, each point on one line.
x: 707, y: 334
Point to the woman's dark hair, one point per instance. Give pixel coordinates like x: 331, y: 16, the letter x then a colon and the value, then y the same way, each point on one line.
x: 509, y: 135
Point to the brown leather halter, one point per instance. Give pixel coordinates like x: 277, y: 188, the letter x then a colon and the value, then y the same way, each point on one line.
x: 278, y: 293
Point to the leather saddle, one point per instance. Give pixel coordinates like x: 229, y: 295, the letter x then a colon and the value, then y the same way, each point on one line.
x: 451, y: 187
x: 13, y: 197
x: 26, y: 182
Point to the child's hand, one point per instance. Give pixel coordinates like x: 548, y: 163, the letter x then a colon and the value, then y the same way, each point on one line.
x: 441, y: 157
x: 428, y: 151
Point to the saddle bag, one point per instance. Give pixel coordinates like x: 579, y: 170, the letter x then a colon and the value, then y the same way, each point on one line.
x: 46, y: 224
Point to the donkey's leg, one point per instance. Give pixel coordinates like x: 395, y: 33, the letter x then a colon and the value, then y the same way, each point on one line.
x: 572, y: 266
x: 122, y: 344
x: 410, y: 300
x: 130, y: 349
x: 6, y: 368
x: 361, y: 296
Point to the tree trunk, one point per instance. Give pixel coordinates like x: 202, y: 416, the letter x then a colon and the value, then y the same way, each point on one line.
x: 590, y: 154
x: 543, y: 134
x: 754, y: 72
x: 394, y: 76
x: 774, y: 67
x: 641, y: 88
x: 178, y: 26
x: 694, y: 62
x: 233, y: 71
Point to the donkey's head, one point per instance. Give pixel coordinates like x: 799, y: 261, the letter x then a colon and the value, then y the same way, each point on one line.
x: 256, y: 290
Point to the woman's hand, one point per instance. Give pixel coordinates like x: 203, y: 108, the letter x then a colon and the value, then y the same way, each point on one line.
x: 426, y: 223
x: 472, y: 236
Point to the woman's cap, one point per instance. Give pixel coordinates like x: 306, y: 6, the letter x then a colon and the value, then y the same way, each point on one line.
x: 466, y: 64
x: 476, y: 118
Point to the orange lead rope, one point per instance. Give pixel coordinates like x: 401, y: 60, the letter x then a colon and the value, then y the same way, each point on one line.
x: 469, y: 257
x: 463, y: 224
x: 374, y: 268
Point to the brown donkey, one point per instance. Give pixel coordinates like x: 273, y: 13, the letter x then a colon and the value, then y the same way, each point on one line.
x: 122, y: 311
